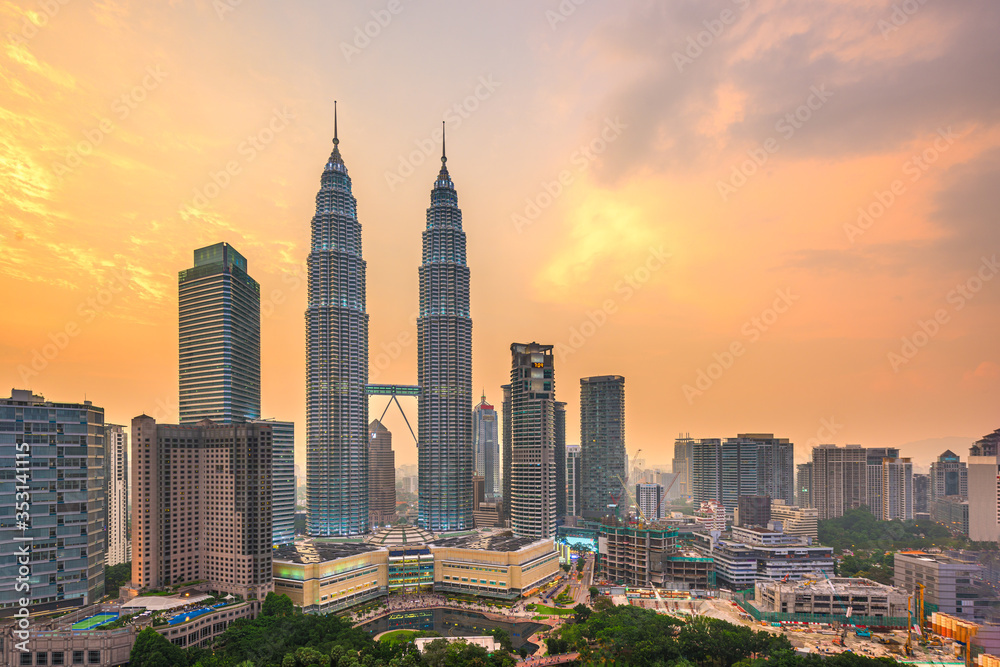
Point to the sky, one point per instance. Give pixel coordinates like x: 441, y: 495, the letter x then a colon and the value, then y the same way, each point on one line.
x: 767, y: 216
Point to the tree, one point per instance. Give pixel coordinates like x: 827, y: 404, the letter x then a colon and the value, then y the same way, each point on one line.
x: 277, y: 605
x: 581, y: 613
x: 116, y: 576
x: 594, y: 592
x: 503, y: 638
x: 579, y: 565
x: 151, y: 649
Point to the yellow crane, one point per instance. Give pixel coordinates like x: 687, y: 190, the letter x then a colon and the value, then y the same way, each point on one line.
x: 920, y: 608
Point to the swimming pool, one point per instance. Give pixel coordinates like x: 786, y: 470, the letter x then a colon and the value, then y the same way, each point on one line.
x: 187, y: 616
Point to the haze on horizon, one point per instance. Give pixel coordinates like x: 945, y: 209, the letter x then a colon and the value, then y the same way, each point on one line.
x: 768, y: 216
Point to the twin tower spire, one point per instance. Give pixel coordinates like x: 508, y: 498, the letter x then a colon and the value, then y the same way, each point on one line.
x: 337, y: 363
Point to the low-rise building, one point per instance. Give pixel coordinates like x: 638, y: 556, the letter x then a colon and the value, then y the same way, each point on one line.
x: 755, y: 554
x: 650, y: 555
x: 322, y: 576
x: 956, y: 587
x: 839, y: 596
x: 953, y: 512
x: 796, y: 520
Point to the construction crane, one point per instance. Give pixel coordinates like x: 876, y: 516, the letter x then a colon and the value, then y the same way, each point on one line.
x: 909, y: 626
x: 920, y: 609
x: 616, y: 498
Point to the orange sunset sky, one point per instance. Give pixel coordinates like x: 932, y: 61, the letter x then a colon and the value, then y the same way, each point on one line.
x: 644, y: 184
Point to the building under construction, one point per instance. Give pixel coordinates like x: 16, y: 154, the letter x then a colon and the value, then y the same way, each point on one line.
x: 650, y: 556
x: 843, y: 597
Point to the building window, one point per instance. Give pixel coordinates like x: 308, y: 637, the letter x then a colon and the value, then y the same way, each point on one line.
x: 93, y: 657
x: 77, y: 657
x: 57, y: 658
x: 25, y: 658
x: 41, y: 658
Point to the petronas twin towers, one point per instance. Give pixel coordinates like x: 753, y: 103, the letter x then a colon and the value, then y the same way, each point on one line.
x: 337, y: 363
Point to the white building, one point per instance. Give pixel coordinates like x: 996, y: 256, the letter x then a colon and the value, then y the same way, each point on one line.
x: 118, y: 549
x: 984, y: 503
x: 798, y: 521
x: 649, y: 498
x: 897, y: 489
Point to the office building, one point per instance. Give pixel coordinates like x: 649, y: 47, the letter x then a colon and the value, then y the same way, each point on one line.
x: 801, y: 522
x: 219, y: 305
x: 336, y: 361
x: 55, y: 453
x: 282, y: 481
x: 706, y: 470
x: 803, y: 485
x: 681, y: 464
x: 444, y: 366
x: 753, y: 511
x: 118, y: 548
x: 762, y: 553
x: 650, y: 502
x: 507, y: 452
x: 897, y: 489
x: 559, y: 415
x: 532, y: 431
x: 839, y: 479
x: 984, y: 501
x: 956, y: 587
x: 202, y: 505
x: 949, y: 476
x: 775, y: 466
x: 573, y: 472
x: 381, y: 475
x: 874, y: 493
x: 921, y: 493
x: 486, y: 446
x: 952, y: 512
x: 602, y: 438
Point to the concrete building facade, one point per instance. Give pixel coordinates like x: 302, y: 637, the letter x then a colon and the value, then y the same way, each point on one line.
x: 602, y: 439
x: 202, y: 505
x: 984, y: 500
x: 953, y: 585
x: 839, y: 479
x: 381, y: 474
x: 118, y: 548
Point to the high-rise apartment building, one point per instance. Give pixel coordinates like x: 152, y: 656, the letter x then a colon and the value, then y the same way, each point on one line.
x: 559, y: 415
x: 219, y: 306
x: 839, y: 479
x: 507, y: 453
x: 649, y: 499
x: 532, y: 417
x: 681, y: 464
x: 444, y: 366
x: 573, y: 472
x: 804, y: 484
x: 282, y: 481
x: 201, y: 505
x: 921, y: 494
x: 602, y: 438
x: 54, y: 453
x: 723, y: 470
x: 117, y: 548
x: 486, y: 447
x: 897, y: 489
x: 949, y: 477
x: 775, y: 466
x: 984, y: 491
x: 874, y: 493
x: 381, y: 474
x: 336, y: 361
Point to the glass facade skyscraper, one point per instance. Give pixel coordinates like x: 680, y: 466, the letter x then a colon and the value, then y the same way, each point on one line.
x: 486, y: 448
x: 282, y: 481
x: 336, y: 361
x: 55, y: 453
x: 444, y: 367
x: 219, y: 307
x: 602, y: 437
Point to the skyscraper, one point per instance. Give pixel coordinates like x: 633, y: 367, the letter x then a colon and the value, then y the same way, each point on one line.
x: 775, y: 466
x: 55, y: 453
x: 706, y: 471
x: 949, y: 477
x: 897, y: 489
x: 984, y: 495
x: 724, y: 470
x: 532, y: 416
x: 336, y: 361
x: 219, y: 346
x: 201, y: 502
x: 804, y: 485
x: 839, y: 478
x: 507, y: 453
x: 444, y: 366
x: 602, y: 438
x: 921, y: 494
x: 117, y: 548
x: 559, y: 414
x: 573, y: 472
x: 381, y: 474
x: 282, y: 481
x: 681, y: 464
x: 650, y: 502
x: 486, y: 447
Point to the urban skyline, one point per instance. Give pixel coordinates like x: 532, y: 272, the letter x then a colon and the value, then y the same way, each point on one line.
x: 850, y: 306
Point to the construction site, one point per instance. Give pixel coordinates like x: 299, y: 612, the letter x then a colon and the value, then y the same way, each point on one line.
x: 937, y: 639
